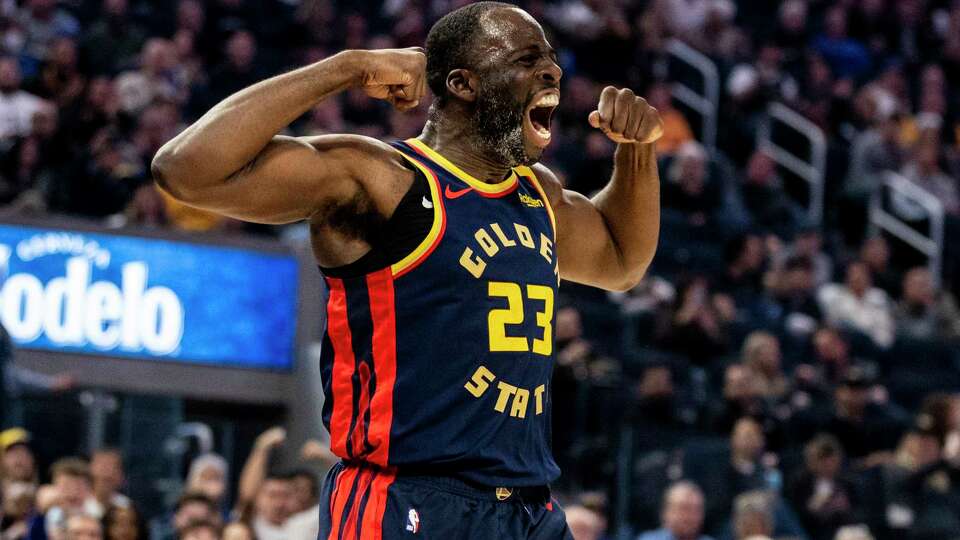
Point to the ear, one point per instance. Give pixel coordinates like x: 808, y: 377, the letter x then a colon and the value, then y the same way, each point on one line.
x: 462, y: 83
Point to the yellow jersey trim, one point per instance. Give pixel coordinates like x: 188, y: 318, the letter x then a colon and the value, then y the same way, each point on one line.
x: 499, y: 187
x: 528, y: 172
x: 421, y: 252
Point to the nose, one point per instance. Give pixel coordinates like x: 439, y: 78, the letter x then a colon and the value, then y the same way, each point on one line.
x: 550, y: 73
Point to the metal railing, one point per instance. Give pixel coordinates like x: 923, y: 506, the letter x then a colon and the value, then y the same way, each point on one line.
x: 704, y: 103
x: 903, y: 191
x: 810, y: 170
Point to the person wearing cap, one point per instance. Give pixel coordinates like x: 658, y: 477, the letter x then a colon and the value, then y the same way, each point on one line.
x: 914, y: 494
x: 863, y: 420
x: 17, y: 463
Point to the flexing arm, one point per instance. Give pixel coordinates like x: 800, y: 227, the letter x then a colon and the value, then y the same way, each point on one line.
x: 233, y: 162
x: 609, y: 241
x: 255, y: 469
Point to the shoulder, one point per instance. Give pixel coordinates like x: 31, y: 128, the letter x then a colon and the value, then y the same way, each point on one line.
x: 550, y: 183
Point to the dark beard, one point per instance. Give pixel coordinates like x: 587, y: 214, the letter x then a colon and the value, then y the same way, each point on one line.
x: 498, y: 124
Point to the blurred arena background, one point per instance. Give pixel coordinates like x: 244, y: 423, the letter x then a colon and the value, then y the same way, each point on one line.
x: 793, y: 353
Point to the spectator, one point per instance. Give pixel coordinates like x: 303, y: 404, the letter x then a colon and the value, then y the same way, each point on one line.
x: 17, y: 500
x: 83, y: 527
x: 808, y: 243
x: 153, y: 79
x: 42, y: 22
x: 925, y: 171
x: 305, y: 521
x: 201, y: 530
x: 862, y: 424
x: 676, y: 129
x: 763, y: 194
x: 699, y: 322
x: 742, y: 397
x: 745, y: 259
x: 71, y: 494
x: 853, y: 532
x: 761, y: 354
x: 208, y: 476
x: 237, y: 71
x: 875, y: 253
x: 682, y: 514
x: 17, y: 106
x: 689, y: 188
x: 823, y: 496
x: 584, y: 523
x: 924, y: 312
x: 272, y: 508
x: 194, y: 506
x: 113, y: 39
x: 741, y: 472
x: 123, y: 523
x: 106, y: 469
x: 18, y: 462
x: 858, y: 305
x: 793, y: 287
x: 237, y: 531
x: 753, y: 516
x: 874, y: 150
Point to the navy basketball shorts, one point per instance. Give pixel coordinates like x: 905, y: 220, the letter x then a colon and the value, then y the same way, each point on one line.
x: 363, y: 503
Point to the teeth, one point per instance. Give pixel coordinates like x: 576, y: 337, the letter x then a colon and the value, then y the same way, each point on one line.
x: 543, y: 132
x: 549, y: 100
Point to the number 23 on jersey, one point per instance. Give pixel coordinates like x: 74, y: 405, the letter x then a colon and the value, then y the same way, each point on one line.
x: 513, y: 314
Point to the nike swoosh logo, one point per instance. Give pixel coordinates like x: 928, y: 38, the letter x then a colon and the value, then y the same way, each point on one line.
x: 455, y: 194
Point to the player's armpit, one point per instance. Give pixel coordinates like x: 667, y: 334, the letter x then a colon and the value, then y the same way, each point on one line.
x: 291, y: 178
x: 586, y: 249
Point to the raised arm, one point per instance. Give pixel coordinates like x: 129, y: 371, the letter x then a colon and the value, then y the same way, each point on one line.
x: 232, y: 160
x: 609, y: 241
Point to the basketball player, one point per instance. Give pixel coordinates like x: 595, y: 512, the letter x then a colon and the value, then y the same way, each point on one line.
x: 442, y: 255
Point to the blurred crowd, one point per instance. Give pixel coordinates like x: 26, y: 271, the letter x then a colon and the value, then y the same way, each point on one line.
x: 774, y: 376
x: 83, y: 498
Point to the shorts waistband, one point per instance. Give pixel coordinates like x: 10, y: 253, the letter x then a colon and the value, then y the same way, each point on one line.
x: 444, y: 482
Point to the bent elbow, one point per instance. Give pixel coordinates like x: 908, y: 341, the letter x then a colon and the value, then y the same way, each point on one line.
x: 168, y: 175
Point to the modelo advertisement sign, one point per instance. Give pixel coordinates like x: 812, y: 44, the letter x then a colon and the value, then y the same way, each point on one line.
x: 103, y: 294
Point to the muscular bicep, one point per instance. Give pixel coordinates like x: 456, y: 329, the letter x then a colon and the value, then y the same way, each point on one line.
x: 290, y: 179
x: 585, y: 248
x: 586, y: 251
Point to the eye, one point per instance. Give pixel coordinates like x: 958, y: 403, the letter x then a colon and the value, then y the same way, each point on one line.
x: 529, y: 59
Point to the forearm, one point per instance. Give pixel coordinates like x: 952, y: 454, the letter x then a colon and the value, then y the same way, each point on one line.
x: 236, y: 130
x: 630, y: 205
x: 253, y: 474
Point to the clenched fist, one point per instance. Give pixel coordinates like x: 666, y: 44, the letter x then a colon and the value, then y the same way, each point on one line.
x: 626, y: 117
x: 394, y: 75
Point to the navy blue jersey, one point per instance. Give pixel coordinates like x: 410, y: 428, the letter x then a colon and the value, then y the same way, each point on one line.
x: 442, y: 361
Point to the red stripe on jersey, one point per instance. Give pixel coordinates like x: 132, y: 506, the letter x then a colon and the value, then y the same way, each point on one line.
x: 383, y: 314
x: 344, y: 363
x: 357, y: 437
x: 372, y: 526
x: 338, y: 501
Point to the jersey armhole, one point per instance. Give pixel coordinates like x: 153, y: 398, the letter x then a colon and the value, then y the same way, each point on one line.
x: 430, y: 242
x: 528, y: 173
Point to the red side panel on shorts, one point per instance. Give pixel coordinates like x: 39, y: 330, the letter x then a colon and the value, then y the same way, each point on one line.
x: 338, y: 499
x: 373, y: 517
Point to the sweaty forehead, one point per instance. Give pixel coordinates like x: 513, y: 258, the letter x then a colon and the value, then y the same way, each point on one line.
x: 506, y: 30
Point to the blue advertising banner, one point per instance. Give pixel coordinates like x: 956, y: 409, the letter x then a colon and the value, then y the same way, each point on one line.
x: 103, y: 294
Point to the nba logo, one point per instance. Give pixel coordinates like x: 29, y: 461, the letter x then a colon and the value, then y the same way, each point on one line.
x: 413, y: 521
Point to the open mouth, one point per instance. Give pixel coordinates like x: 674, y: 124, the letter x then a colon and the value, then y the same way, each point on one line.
x: 537, y: 124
